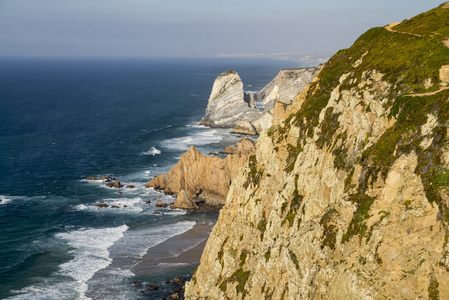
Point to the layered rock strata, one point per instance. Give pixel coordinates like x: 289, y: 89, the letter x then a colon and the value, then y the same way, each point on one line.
x: 229, y: 106
x: 347, y: 194
x: 228, y: 102
x: 204, y: 177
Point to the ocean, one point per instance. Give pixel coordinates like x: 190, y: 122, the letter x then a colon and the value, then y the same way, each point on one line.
x: 63, y: 120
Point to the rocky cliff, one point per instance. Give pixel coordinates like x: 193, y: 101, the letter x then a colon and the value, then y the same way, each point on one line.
x: 347, y: 194
x: 229, y: 106
x: 204, y: 177
x: 228, y: 103
x: 286, y: 86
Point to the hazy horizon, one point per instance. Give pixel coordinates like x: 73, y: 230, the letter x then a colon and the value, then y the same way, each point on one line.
x: 285, y: 29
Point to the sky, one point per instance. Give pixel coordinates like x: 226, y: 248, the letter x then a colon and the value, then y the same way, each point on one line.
x: 282, y: 29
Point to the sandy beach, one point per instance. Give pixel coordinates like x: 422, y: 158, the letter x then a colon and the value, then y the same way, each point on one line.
x: 182, y: 250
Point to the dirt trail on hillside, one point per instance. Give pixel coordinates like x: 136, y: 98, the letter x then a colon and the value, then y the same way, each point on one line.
x: 389, y: 27
x: 428, y: 93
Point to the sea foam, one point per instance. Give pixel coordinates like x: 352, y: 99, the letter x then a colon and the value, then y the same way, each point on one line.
x: 198, y: 139
x: 90, y: 250
x: 153, y: 151
x: 89, y: 246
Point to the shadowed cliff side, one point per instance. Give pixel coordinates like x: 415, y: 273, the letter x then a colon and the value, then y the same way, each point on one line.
x: 347, y: 195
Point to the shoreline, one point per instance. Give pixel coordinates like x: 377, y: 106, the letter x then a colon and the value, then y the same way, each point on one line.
x: 179, y: 251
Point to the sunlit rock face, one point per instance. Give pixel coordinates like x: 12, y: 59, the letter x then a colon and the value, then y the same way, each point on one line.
x: 347, y: 195
x: 227, y: 103
x: 198, y: 176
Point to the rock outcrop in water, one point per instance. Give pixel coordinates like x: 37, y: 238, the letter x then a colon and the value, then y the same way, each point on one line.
x: 228, y: 103
x: 347, y: 194
x: 229, y: 106
x: 204, y: 177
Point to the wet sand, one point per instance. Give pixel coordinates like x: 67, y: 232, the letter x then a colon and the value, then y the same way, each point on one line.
x: 182, y: 250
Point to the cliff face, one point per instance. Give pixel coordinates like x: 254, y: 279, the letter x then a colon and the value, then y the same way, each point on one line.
x: 347, y: 194
x: 204, y: 177
x: 228, y: 103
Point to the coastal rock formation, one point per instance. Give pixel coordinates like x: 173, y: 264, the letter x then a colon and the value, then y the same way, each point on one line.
x: 161, y: 204
x: 183, y: 201
x: 228, y: 103
x: 286, y: 86
x: 347, y: 194
x: 280, y: 91
x: 204, y: 177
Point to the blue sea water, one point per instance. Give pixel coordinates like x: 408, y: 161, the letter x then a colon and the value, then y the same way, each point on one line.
x: 62, y: 120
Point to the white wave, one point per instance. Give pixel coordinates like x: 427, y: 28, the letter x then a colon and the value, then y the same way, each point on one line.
x: 198, y: 139
x: 91, y: 254
x: 196, y: 126
x: 138, y: 241
x: 159, y: 129
x: 5, y: 199
x: 119, y: 205
x: 153, y: 151
x: 167, y: 265
x: 81, y: 207
x: 90, y: 251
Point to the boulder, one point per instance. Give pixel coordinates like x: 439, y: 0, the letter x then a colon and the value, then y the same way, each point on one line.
x: 179, y: 280
x: 136, y: 284
x: 92, y: 178
x: 227, y: 102
x: 114, y: 184
x: 160, y: 204
x: 184, y: 201
x: 130, y: 186
x: 244, y: 127
x: 152, y: 287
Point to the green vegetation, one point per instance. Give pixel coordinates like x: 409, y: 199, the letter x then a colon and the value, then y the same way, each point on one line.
x: 328, y: 127
x: 294, y: 259
x: 435, y: 21
x: 293, y: 153
x: 357, y: 226
x: 255, y: 174
x: 262, y: 226
x: 267, y: 255
x: 434, y: 294
x: 384, y: 215
x: 239, y: 276
x: 329, y: 236
x: 406, y: 62
x: 295, y: 204
x: 221, y: 253
x: 229, y: 72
